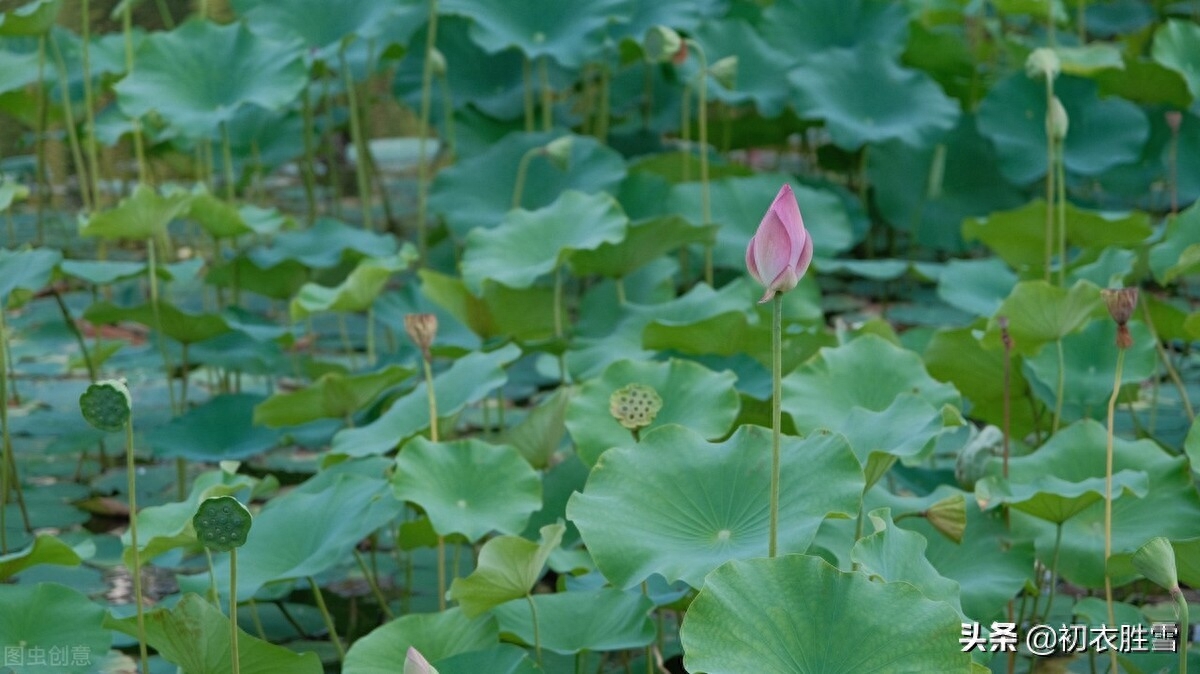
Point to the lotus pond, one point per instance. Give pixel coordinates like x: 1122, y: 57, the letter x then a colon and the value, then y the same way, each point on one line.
x: 724, y: 336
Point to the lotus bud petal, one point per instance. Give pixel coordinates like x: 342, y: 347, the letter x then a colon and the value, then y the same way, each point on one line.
x: 1042, y: 63
x: 661, y: 44
x: 781, y: 250
x: 1057, y: 121
x: 415, y: 663
x: 437, y: 61
x: 724, y: 71
x: 558, y: 151
x: 1156, y: 561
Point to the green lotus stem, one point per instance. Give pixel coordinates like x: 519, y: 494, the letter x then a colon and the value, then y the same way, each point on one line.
x: 527, y: 77
x: 558, y: 299
x: 649, y: 652
x: 1060, y: 182
x: 138, y: 147
x: 547, y: 94
x: 227, y: 161
x: 88, y: 104
x: 1172, y: 373
x: 344, y: 332
x: 522, y: 171
x: 203, y: 9
x: 152, y: 272
x: 1050, y: 191
x: 537, y: 635
x: 329, y: 624
x: 776, y: 418
x: 136, y: 571
x: 441, y: 572
x: 91, y: 368
x: 448, y: 115
x: 620, y: 283
x: 214, y: 597
x: 605, y: 104
x: 307, y: 171
x: 164, y: 13
x: 361, y: 178
x: 705, y: 208
x: 371, y: 335
x: 1108, y: 472
x: 1181, y: 606
x: 335, y: 175
x: 69, y: 119
x: 233, y: 617
x: 373, y: 581
x: 685, y: 170
x: 41, y: 182
x: 423, y: 168
x: 9, y: 477
x: 1053, y: 571
x: 258, y: 625
x: 1062, y: 385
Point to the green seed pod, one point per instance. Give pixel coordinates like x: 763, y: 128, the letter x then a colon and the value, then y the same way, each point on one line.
x: 106, y: 405
x: 222, y: 523
x: 634, y: 406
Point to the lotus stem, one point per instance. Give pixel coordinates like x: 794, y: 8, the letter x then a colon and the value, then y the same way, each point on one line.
x: 1172, y: 373
x: 1108, y: 472
x: 152, y: 273
x: 547, y: 94
x: 88, y: 102
x: 1062, y: 385
x: 362, y: 180
x: 233, y: 617
x: 136, y: 571
x: 649, y: 648
x: 527, y: 78
x: 1060, y: 182
x: 537, y: 636
x: 522, y: 171
x: 69, y: 120
x: 138, y: 147
x: 9, y: 479
x: 776, y: 419
x: 441, y: 572
x: 1054, y: 570
x: 1050, y: 174
x: 329, y: 624
x: 605, y: 104
x: 373, y: 581
x: 685, y: 170
x: 705, y: 207
x: 41, y: 182
x: 227, y: 163
x: 306, y: 167
x: 1181, y: 606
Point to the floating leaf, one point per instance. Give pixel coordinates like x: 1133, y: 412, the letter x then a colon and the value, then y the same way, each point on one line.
x: 179, y: 326
x: 976, y: 286
x: 467, y: 487
x: 357, y: 292
x: 680, y: 506
x: 333, y: 395
x: 322, y: 246
x: 572, y: 622
x: 834, y: 621
x: 103, y: 272
x: 508, y: 568
x: 220, y: 429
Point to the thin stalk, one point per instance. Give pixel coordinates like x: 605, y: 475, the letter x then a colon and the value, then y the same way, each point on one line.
x: 214, y: 595
x: 1173, y: 169
x: 1054, y: 570
x: 1185, y: 632
x: 522, y: 171
x: 649, y: 647
x: 602, y: 121
x: 362, y: 180
x: 227, y: 163
x: 7, y: 446
x: 69, y: 120
x: 705, y: 208
x: 233, y: 617
x: 776, y: 419
x: 1049, y: 234
x: 432, y: 396
x: 448, y: 115
x: 307, y: 170
x: 152, y: 272
x: 88, y: 104
x: 136, y: 571
x: 685, y: 171
x: 441, y: 572
x: 1006, y: 338
x: 329, y: 624
x: 547, y: 94
x: 537, y: 636
x: 138, y: 146
x: 370, y: 335
x: 74, y: 329
x: 347, y: 345
x: 1062, y: 385
x: 1172, y: 373
x: 1060, y: 182
x: 258, y: 624
x: 41, y: 182
x: 373, y: 581
x: 527, y: 78
x: 1108, y: 472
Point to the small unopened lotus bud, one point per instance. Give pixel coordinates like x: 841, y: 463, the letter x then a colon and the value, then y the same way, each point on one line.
x: 724, y: 71
x: 1042, y: 63
x: 661, y: 44
x: 1120, y: 305
x: 421, y: 329
x: 1174, y: 119
x: 438, y: 62
x: 949, y: 517
x: 634, y: 406
x: 558, y: 151
x: 1057, y: 121
x: 1005, y: 335
x: 415, y: 663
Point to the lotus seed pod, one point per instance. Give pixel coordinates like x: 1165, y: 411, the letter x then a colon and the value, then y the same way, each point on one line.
x: 1057, y: 121
x: 949, y: 517
x: 558, y: 151
x: 661, y: 44
x: 635, y: 406
x: 1120, y: 305
x: 1042, y: 62
x: 222, y: 523
x: 421, y: 329
x: 724, y: 71
x: 106, y: 405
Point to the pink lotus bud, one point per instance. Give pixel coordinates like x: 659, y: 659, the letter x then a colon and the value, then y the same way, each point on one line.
x: 415, y: 663
x: 781, y: 249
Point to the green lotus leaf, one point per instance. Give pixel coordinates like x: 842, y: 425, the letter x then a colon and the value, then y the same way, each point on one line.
x: 1090, y: 59
x: 1103, y: 132
x: 220, y: 429
x: 322, y: 246
x: 868, y: 373
x: 1076, y: 454
x: 692, y: 395
x: 468, y: 487
x: 28, y: 269
x: 1176, y: 44
x: 865, y: 97
x: 739, y: 204
x: 759, y: 65
x: 52, y: 616
x: 1179, y: 251
x: 568, y: 31
x: 357, y: 292
x: 44, y: 549
x: 435, y: 635
x: 1090, y: 360
x: 141, y: 215
x: 806, y: 27
x: 1019, y: 236
x: 219, y: 218
x: 333, y: 395
x: 195, y: 636
x: 540, y: 434
x: 530, y: 244
x: 683, y: 15
x: 501, y: 659
x: 179, y: 326
x: 1054, y: 499
x: 16, y: 71
x: 680, y: 506
x: 478, y: 191
x: 1039, y: 313
x: 321, y: 25
x: 892, y: 554
x: 644, y: 242
x: 104, y: 272
x: 976, y: 286
x: 1145, y: 82
x: 162, y: 528
x: 491, y: 314
x: 1111, y: 269
x: 905, y: 430
x: 507, y: 569
x: 572, y: 622
x: 469, y: 380
x: 199, y: 74
x: 958, y: 357
x: 1187, y: 561
x: 835, y: 621
x: 929, y: 190
x: 32, y: 18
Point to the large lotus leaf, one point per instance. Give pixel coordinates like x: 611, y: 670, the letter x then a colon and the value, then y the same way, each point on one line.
x: 1039, y: 313
x: 44, y: 549
x: 1187, y: 561
x: 478, y: 191
x: 197, y: 76
x: 958, y: 357
x: 195, y: 636
x: 50, y: 616
x: 589, y: 620
x: 1019, y: 236
x: 1090, y: 361
x: 644, y: 242
x: 905, y: 431
x: 323, y: 245
x: 739, y: 204
x: 1111, y: 268
x: 104, y: 272
x: 334, y: 395
x: 1179, y: 251
x: 893, y: 554
x: 929, y: 190
x: 976, y: 286
x: 435, y: 635
x: 507, y: 569
x: 220, y: 429
x: 182, y: 327
x: 17, y: 70
x: 539, y: 435
x: 28, y: 269
x: 682, y: 15
x: 141, y: 215
x: 468, y: 487
x: 530, y: 244
x: 1103, y: 132
x: 321, y: 25
x: 869, y: 372
x: 222, y: 219
x: 1176, y: 46
x: 469, y: 380
x: 1054, y: 499
x: 758, y: 66
x: 692, y: 396
x: 833, y: 622
x: 308, y: 531
x: 807, y: 27
x: 32, y: 18
x: 499, y: 659
x: 679, y: 506
x: 1076, y: 454
x: 865, y: 97
x: 1146, y: 82
x: 491, y: 315
x: 357, y: 291
x: 569, y: 31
